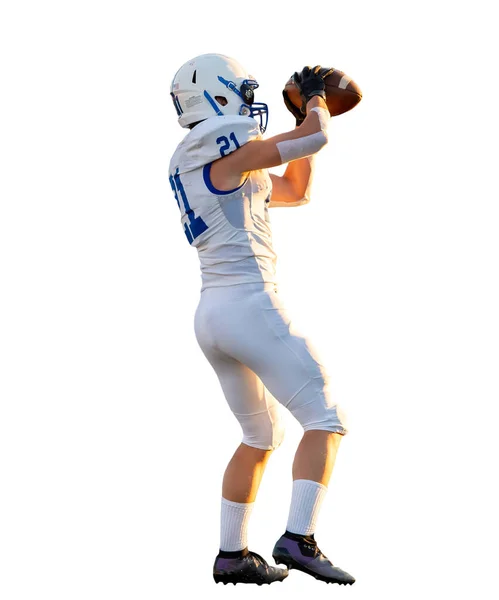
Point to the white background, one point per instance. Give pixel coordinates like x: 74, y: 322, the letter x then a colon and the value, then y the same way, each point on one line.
x: 113, y: 431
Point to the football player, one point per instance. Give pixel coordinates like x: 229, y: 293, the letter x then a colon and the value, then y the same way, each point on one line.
x: 223, y: 189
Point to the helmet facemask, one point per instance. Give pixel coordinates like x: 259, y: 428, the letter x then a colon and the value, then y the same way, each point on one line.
x: 257, y: 110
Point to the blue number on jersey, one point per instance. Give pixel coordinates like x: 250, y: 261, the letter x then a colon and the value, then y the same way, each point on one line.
x: 226, y: 144
x: 196, y: 225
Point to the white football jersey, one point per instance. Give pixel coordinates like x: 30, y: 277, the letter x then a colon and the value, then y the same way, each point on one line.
x: 230, y: 229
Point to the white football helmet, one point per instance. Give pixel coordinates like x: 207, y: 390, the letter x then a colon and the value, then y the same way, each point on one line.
x: 214, y: 84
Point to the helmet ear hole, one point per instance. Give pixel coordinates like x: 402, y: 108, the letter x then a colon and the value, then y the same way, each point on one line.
x: 222, y: 100
x: 194, y: 77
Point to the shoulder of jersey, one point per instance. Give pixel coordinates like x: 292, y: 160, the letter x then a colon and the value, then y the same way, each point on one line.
x: 203, y: 143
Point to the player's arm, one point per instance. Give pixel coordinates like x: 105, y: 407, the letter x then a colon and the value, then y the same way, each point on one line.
x: 293, y: 188
x: 307, y: 139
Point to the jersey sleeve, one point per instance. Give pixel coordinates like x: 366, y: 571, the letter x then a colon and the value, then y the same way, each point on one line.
x: 213, y: 139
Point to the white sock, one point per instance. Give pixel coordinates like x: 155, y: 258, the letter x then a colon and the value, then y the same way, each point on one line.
x: 234, y: 525
x: 306, y: 501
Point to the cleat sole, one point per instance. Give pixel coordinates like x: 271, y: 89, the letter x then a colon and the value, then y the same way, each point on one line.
x: 234, y: 579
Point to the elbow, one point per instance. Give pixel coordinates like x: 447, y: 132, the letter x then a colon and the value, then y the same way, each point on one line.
x: 290, y: 203
x: 300, y: 201
x: 303, y: 201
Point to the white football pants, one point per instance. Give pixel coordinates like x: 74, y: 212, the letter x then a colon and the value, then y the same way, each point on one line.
x: 247, y: 336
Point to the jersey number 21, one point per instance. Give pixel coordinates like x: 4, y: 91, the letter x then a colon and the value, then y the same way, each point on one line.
x: 196, y: 226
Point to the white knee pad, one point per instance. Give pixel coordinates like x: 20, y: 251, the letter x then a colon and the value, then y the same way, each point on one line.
x: 313, y: 408
x: 260, y: 431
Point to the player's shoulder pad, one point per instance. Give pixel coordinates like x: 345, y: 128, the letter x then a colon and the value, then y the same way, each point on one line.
x: 212, y: 139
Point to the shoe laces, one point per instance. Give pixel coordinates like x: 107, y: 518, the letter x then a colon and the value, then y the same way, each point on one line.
x: 312, y: 546
x: 310, y: 542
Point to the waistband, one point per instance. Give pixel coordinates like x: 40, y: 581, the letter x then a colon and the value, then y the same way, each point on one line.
x: 240, y: 290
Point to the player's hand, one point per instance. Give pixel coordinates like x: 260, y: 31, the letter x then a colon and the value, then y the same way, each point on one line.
x: 294, y: 110
x: 311, y: 83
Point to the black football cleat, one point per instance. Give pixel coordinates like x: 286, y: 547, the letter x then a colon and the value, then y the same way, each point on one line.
x: 301, y: 552
x: 245, y: 567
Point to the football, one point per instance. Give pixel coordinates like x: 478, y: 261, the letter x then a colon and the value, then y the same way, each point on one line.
x: 342, y: 93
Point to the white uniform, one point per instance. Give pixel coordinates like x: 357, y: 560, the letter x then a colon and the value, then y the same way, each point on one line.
x: 229, y: 229
x: 241, y: 323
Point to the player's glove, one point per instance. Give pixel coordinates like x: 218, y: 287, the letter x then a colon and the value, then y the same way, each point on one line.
x: 311, y: 83
x: 294, y: 110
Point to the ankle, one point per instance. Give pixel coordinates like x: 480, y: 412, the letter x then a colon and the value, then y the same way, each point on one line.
x: 298, y: 537
x: 237, y: 554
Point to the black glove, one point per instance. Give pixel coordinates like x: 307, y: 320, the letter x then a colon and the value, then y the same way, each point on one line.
x: 294, y: 110
x: 311, y: 83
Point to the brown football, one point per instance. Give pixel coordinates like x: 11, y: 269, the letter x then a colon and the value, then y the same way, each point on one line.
x: 342, y: 93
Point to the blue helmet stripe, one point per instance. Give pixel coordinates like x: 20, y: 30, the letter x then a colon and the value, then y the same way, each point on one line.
x: 213, y: 103
x: 230, y: 85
